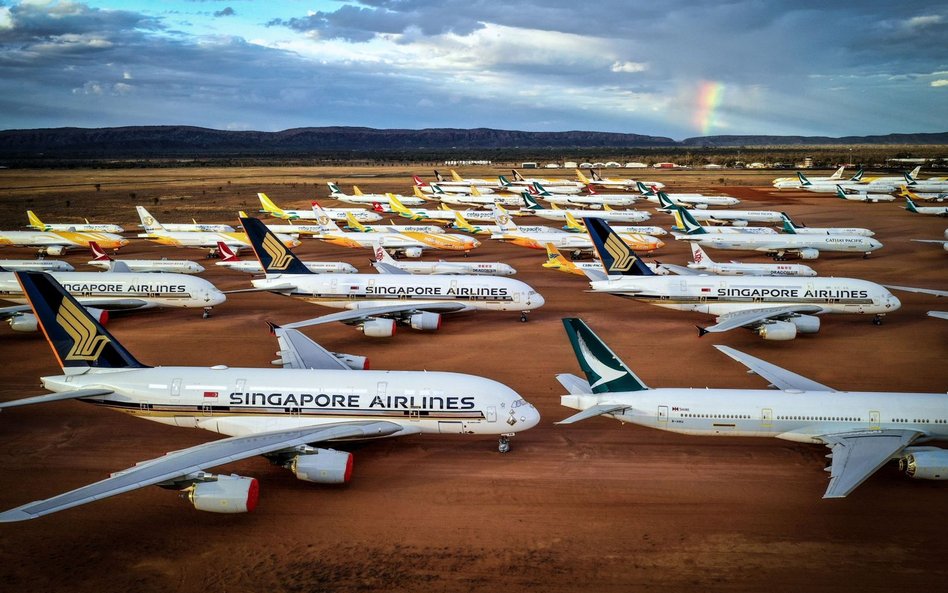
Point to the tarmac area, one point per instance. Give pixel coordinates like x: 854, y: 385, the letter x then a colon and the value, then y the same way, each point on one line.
x: 595, y: 506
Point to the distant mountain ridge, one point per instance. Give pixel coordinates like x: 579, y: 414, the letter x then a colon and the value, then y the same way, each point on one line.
x: 157, y: 141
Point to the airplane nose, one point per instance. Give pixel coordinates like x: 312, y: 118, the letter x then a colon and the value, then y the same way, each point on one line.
x: 536, y: 300
x: 529, y: 417
x: 893, y: 303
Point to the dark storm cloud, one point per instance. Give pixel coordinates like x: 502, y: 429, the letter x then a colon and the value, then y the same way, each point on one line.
x: 225, y: 12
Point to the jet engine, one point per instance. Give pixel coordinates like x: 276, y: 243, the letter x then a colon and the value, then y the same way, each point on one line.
x: 739, y: 223
x: 425, y: 321
x: 412, y: 251
x: 224, y: 494
x: 777, y: 330
x: 806, y: 324
x: 809, y: 253
x: 322, y: 466
x: 55, y: 250
x: 925, y: 463
x: 701, y: 206
x: 26, y: 322
x: 378, y: 328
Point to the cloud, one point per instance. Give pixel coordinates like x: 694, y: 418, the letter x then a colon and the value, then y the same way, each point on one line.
x: 939, y: 82
x: 225, y: 12
x: 628, y: 67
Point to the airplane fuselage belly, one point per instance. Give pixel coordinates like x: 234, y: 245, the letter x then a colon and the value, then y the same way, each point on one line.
x: 790, y: 415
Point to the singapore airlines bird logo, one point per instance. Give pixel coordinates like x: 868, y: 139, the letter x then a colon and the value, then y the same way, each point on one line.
x: 605, y: 372
x: 86, y: 345
x: 279, y: 258
x: 622, y: 259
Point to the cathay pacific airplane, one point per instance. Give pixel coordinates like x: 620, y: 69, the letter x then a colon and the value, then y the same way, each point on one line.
x: 792, y: 228
x: 776, y: 308
x: 556, y: 213
x: 863, y: 430
x: 737, y: 218
x: 338, y: 214
x: 376, y: 302
x: 699, y: 201
x: 285, y: 414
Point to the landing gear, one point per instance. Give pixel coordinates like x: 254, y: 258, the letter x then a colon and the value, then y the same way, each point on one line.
x: 523, y: 317
x: 207, y: 312
x: 503, y: 445
x: 865, y: 255
x: 877, y: 320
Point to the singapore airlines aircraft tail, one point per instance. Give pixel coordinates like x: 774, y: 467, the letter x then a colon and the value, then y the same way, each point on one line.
x: 78, y: 340
x: 618, y: 259
x: 270, y: 251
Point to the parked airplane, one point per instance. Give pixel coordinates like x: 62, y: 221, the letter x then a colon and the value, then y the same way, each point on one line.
x: 830, y: 186
x: 475, y: 198
x: 467, y: 182
x: 409, y: 243
x: 462, y: 224
x: 790, y: 227
x: 857, y: 195
x: 703, y: 263
x: 230, y: 260
x: 574, y: 225
x: 150, y: 224
x: 927, y: 185
x: 775, y: 308
x: 737, y: 218
x: 278, y: 413
x: 440, y: 187
x: 582, y: 200
x: 35, y: 265
x: 357, y: 197
x: 338, y: 214
x: 596, y: 179
x: 777, y: 245
x: 386, y: 264
x: 590, y: 269
x: 922, y: 196
x: 515, y: 187
x: 555, y: 213
x: 887, y: 180
x: 355, y: 226
x: 101, y: 259
x: 201, y: 239
x: 863, y: 430
x: 59, y: 242
x: 566, y: 183
x: 909, y: 205
x: 86, y: 227
x: 681, y: 226
x: 699, y: 201
x: 794, y: 182
x: 375, y: 302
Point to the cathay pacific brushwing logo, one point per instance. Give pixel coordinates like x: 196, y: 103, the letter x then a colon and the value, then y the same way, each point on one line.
x: 622, y: 258
x: 86, y: 345
x: 279, y: 258
x: 605, y: 372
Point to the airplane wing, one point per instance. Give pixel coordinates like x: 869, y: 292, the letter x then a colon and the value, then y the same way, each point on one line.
x: 938, y: 314
x: 299, y: 352
x: 113, y: 304
x: 856, y: 456
x: 53, y: 397
x: 597, y: 410
x: 119, y: 267
x: 277, y: 288
x: 188, y: 464
x: 778, y: 377
x: 931, y: 291
x: 357, y: 315
x: 680, y: 270
x: 754, y: 317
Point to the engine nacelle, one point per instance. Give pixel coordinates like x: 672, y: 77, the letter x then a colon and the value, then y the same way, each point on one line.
x: 777, y: 330
x: 379, y: 328
x: 413, y: 251
x: 425, y: 321
x: 809, y: 253
x: 925, y: 464
x: 701, y: 206
x: 323, y: 466
x: 739, y: 223
x: 806, y: 324
x: 26, y: 322
x: 353, y: 361
x: 225, y: 494
x: 55, y: 250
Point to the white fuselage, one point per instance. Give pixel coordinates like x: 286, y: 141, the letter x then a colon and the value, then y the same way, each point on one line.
x: 733, y: 230
x: 777, y: 243
x: 815, y: 230
x: 187, y: 227
x: 932, y: 210
x: 610, y: 215
x: 316, y: 267
x: 207, y: 240
x: 63, y: 239
x: 737, y: 215
x: 697, y: 200
x: 719, y: 295
x: 453, y: 188
x: 482, y: 201
x: 35, y: 265
x: 591, y: 201
x: 455, y: 267
x: 337, y: 214
x: 84, y: 228
x: 431, y: 229
x: 867, y: 197
x: 747, y: 269
x: 369, y: 199
x: 126, y: 291
x: 355, y: 291
x: 800, y: 416
x: 179, y: 266
x: 243, y: 401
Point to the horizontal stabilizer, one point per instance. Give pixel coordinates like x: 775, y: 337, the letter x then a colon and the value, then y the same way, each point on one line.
x: 573, y: 384
x: 597, y: 410
x: 385, y: 268
x: 299, y: 352
x: 55, y: 397
x: 680, y: 270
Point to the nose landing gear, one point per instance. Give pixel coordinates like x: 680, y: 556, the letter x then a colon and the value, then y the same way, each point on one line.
x: 207, y: 312
x: 504, y: 444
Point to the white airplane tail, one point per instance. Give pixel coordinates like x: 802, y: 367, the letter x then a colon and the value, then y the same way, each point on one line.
x: 324, y: 222
x: 149, y: 223
x: 699, y: 256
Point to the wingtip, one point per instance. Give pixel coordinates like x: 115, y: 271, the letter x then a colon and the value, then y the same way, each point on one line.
x: 701, y: 331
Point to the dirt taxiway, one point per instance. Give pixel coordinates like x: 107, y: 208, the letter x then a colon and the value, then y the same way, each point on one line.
x: 596, y: 506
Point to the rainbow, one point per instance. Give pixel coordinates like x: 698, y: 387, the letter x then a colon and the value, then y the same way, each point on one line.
x: 709, y: 98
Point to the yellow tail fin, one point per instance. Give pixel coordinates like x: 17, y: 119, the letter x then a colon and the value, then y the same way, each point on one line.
x: 455, y: 176
x: 419, y: 193
x: 573, y: 224
x: 582, y: 178
x: 35, y: 222
x: 355, y: 224
x: 396, y: 204
x: 474, y: 191
x: 356, y: 191
x: 268, y: 206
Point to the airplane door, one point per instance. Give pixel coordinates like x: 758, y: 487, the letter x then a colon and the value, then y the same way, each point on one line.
x: 663, y: 414
x: 176, y: 387
x: 414, y: 414
x: 766, y: 417
x: 491, y: 414
x: 874, y: 419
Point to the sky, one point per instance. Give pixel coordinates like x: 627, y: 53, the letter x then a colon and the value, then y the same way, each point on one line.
x: 674, y: 68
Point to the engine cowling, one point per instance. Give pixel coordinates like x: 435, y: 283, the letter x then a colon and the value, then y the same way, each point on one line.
x: 353, y: 361
x: 739, y: 223
x: 413, y: 251
x: 701, y: 206
x: 925, y: 464
x: 806, y: 324
x: 777, y: 330
x: 225, y: 494
x: 809, y: 253
x: 379, y: 328
x: 55, y: 250
x: 323, y: 466
x: 425, y: 321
